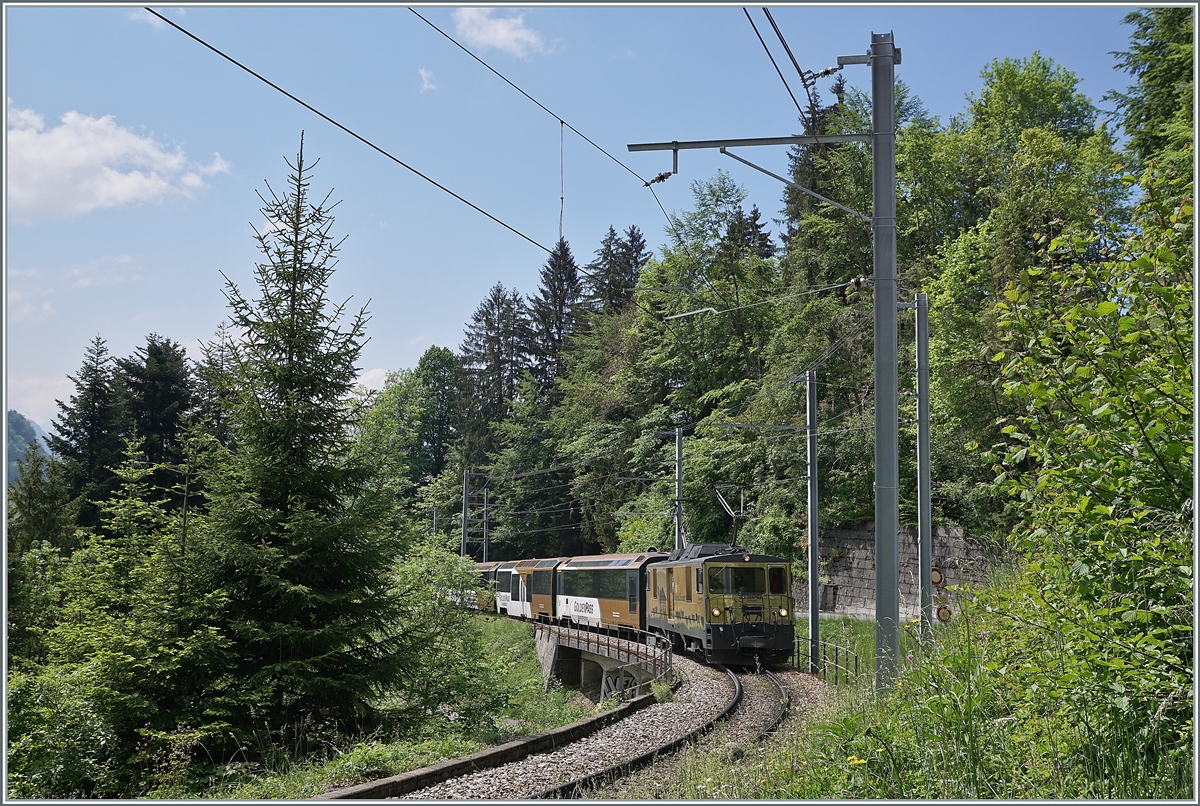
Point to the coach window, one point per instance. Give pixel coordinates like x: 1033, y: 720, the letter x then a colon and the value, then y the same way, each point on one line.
x: 687, y: 586
x: 514, y: 587
x: 700, y: 580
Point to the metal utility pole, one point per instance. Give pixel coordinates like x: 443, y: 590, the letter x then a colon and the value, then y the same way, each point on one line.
x: 435, y: 514
x: 466, y: 497
x: 485, y: 524
x: 678, y: 489
x: 924, y: 505
x: 887, y: 463
x: 883, y: 56
x: 814, y: 557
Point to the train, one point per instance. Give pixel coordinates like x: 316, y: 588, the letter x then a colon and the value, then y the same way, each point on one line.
x: 719, y: 601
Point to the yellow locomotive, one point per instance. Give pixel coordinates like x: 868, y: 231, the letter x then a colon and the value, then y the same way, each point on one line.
x: 723, y: 602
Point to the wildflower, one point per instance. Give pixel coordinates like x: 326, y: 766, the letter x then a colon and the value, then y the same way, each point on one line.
x: 878, y: 749
x: 854, y: 761
x: 910, y: 656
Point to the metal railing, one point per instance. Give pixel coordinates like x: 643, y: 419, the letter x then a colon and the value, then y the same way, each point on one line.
x: 635, y: 651
x: 842, y: 663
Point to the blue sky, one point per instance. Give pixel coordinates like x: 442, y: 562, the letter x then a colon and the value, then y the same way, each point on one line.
x: 133, y: 153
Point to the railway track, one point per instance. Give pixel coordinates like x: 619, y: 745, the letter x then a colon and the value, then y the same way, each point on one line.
x: 764, y: 705
x: 706, y: 695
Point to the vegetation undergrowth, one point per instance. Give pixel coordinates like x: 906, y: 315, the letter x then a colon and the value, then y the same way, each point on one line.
x: 530, y: 707
x: 979, y: 713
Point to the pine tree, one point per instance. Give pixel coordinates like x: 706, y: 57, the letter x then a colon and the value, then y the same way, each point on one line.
x: 493, y: 358
x: 89, y: 431
x: 159, y: 383
x: 554, y: 315
x: 601, y: 279
x: 634, y: 255
x: 296, y: 514
x: 1158, y: 111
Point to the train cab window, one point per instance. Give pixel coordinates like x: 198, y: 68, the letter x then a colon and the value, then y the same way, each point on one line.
x: 716, y: 579
x: 749, y: 579
x: 777, y: 579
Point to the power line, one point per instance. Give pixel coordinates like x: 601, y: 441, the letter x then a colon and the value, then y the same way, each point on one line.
x: 562, y: 123
x: 527, y: 95
x: 773, y: 63
x: 352, y: 133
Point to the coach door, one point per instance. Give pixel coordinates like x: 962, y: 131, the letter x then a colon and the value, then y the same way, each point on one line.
x: 670, y: 593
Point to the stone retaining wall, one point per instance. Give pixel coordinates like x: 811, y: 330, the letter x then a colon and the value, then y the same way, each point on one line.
x: 848, y: 558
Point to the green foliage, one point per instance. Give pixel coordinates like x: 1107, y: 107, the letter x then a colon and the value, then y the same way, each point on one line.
x: 59, y: 743
x: 1158, y: 110
x: 1100, y: 453
x: 446, y: 675
x: 89, y: 431
x: 555, y: 315
x: 297, y: 523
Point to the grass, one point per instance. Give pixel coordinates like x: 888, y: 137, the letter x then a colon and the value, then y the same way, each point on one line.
x: 957, y: 724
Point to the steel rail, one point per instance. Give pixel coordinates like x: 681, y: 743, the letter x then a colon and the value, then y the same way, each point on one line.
x: 578, y: 787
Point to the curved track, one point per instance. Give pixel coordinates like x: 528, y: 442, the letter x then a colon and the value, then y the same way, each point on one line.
x: 706, y: 696
x: 579, y: 786
x: 765, y: 704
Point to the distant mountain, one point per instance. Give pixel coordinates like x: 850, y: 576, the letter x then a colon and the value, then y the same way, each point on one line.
x: 23, y: 434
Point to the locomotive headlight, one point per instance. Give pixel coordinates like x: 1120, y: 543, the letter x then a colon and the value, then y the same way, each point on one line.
x: 783, y: 612
x: 716, y: 612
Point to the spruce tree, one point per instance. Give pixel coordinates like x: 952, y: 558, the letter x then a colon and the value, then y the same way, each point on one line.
x: 554, y: 314
x: 493, y: 359
x: 634, y: 255
x: 89, y: 431
x: 297, y: 517
x: 603, y: 275
x: 159, y: 383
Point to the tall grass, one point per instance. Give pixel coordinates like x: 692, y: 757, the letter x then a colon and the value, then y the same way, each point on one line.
x: 960, y: 722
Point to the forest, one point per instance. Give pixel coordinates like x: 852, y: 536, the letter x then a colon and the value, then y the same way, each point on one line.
x: 234, y: 554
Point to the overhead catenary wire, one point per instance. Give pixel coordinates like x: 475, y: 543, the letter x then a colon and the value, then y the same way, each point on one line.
x: 562, y: 123
x: 773, y: 63
x: 803, y: 79
x: 349, y: 131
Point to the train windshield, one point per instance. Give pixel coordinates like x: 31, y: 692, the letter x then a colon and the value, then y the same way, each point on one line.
x: 749, y: 579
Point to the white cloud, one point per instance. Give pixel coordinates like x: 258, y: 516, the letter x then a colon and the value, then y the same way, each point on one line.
x: 107, y: 270
x: 21, y: 308
x: 479, y: 28
x: 427, y: 80
x: 142, y: 15
x: 88, y: 164
x: 373, y: 378
x: 34, y: 396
